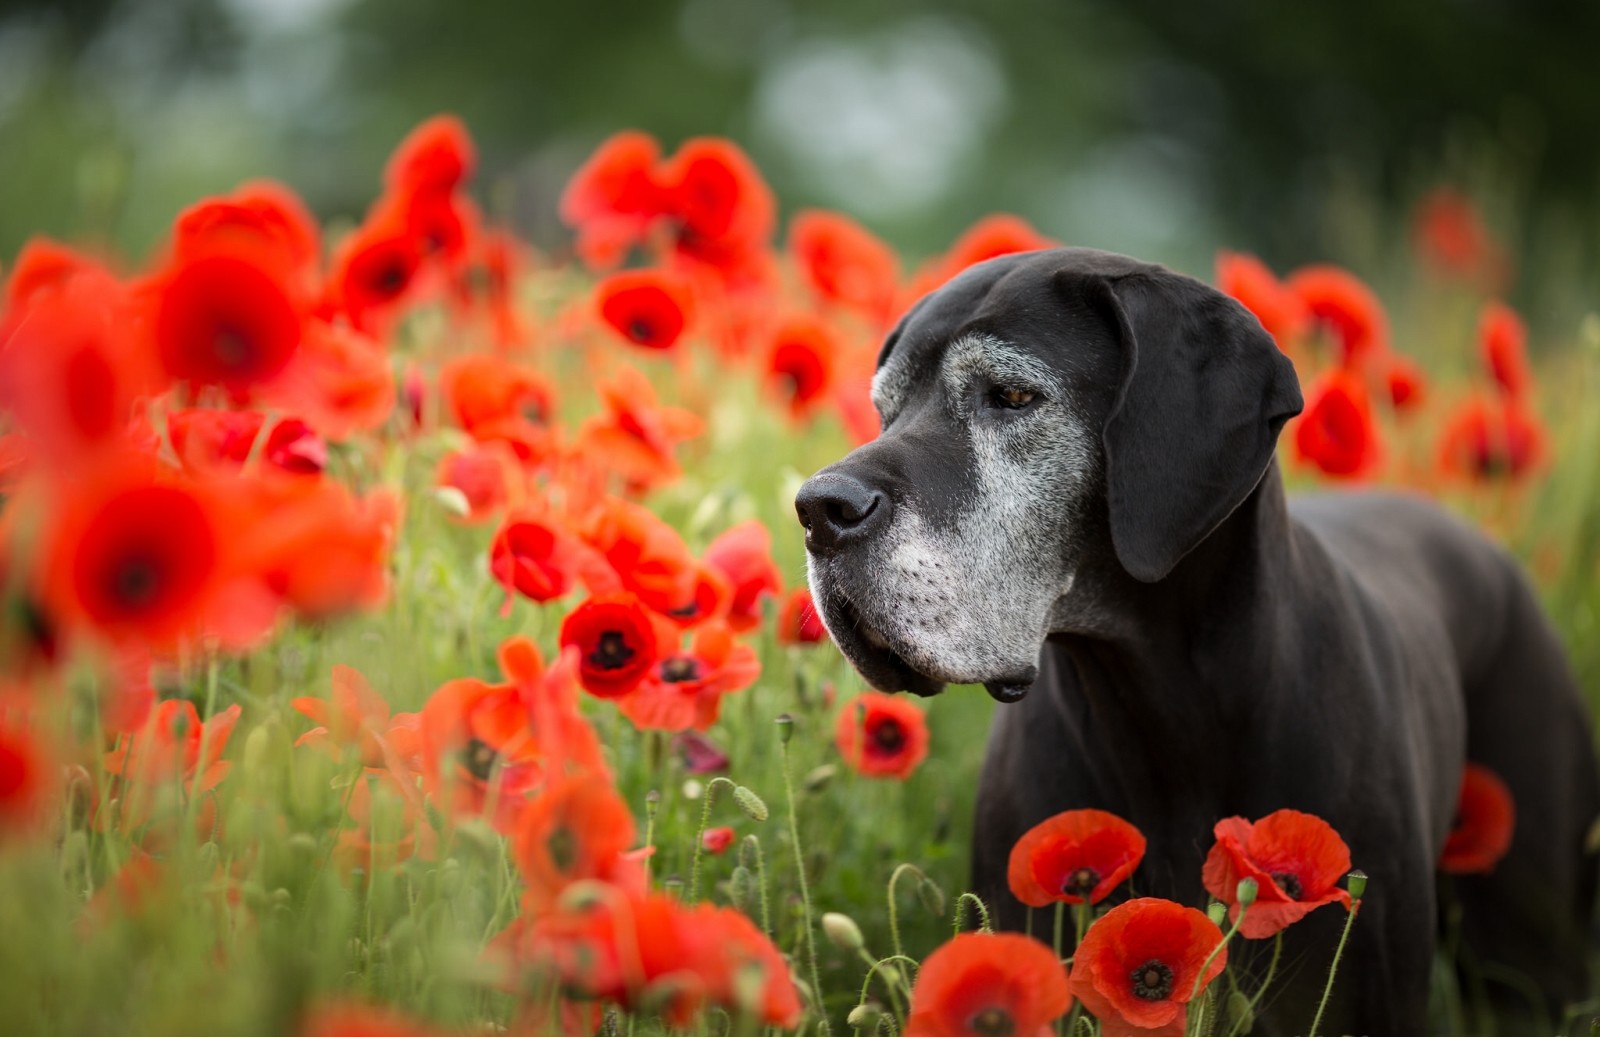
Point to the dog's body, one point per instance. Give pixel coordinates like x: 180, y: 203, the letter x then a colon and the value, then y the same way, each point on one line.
x: 1075, y: 493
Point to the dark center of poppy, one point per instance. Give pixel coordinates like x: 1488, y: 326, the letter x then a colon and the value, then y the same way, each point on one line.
x: 612, y: 651
x: 390, y: 278
x: 1289, y: 883
x: 533, y: 410
x: 992, y: 1022
x: 562, y: 846
x: 479, y: 757
x: 889, y: 736
x: 686, y: 612
x: 136, y: 582
x: 640, y: 330
x: 680, y: 668
x: 232, y: 348
x: 1152, y: 981
x: 1081, y: 882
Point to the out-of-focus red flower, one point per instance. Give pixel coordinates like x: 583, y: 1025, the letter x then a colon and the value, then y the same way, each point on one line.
x: 1450, y: 235
x: 635, y: 949
x: 44, y: 263
x: 231, y: 314
x: 26, y: 777
x: 352, y: 1019
x: 647, y: 555
x: 538, y: 558
x: 743, y: 555
x: 1502, y: 344
x: 800, y: 362
x: 647, y: 308
x: 1136, y: 968
x: 616, y: 643
x: 259, y: 213
x: 1073, y: 857
x: 493, y: 398
x: 983, y: 984
x: 999, y: 234
x: 168, y: 746
x: 723, y: 208
x: 717, y: 840
x: 1344, y: 305
x: 1486, y: 439
x: 852, y: 397
x: 1296, y: 859
x: 340, y: 382
x: 1405, y: 382
x: 318, y: 548
x: 1280, y: 311
x: 881, y: 736
x: 844, y: 264
x: 374, y: 269
x: 636, y: 438
x: 1337, y: 433
x: 213, y: 442
x: 685, y: 689
x: 700, y: 755
x: 799, y: 623
x: 435, y: 156
x: 1486, y: 818
x: 614, y: 197
x: 577, y: 828
x: 356, y: 715
x: 487, y: 476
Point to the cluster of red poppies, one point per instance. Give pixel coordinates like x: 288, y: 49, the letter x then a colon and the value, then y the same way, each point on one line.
x: 1326, y: 319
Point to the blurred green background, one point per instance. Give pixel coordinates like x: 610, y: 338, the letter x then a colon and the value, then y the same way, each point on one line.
x: 1157, y: 127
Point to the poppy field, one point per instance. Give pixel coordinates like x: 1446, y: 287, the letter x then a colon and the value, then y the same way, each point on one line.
x: 405, y: 632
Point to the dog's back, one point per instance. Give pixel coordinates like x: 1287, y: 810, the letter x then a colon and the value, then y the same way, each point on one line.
x: 1523, y: 927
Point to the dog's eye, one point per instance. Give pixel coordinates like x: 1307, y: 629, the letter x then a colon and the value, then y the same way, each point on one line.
x: 1011, y: 398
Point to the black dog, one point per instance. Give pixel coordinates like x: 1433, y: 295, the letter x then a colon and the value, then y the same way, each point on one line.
x: 1075, y: 492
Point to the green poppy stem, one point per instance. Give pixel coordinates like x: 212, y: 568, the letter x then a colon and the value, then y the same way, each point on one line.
x: 1333, y: 969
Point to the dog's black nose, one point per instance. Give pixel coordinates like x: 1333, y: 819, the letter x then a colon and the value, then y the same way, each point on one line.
x: 839, y: 509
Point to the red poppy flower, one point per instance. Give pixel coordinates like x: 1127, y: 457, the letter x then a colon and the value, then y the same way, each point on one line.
x: 486, y: 475
x: 320, y: 550
x: 843, y: 263
x: 636, y: 438
x: 717, y: 840
x: 616, y: 643
x: 1486, y: 817
x: 708, y: 600
x: 436, y: 156
x: 685, y: 689
x: 1405, y: 382
x: 1346, y: 307
x: 722, y: 205
x: 800, y: 362
x: 535, y: 558
x: 577, y: 828
x: 1296, y: 860
x: 211, y: 442
x: 374, y: 269
x: 743, y: 555
x: 482, y: 389
x: 1076, y: 856
x: 259, y: 213
x: 1450, y: 236
x: 881, y: 736
x: 1502, y: 344
x: 340, y: 382
x: 648, y: 308
x: 648, y: 557
x: 1337, y: 433
x: 26, y: 776
x: 1485, y: 439
x: 613, y: 198
x: 44, y: 263
x: 798, y: 621
x: 1279, y: 310
x: 350, y: 1019
x: 1000, y: 234
x: 232, y: 314
x: 1136, y: 967
x: 358, y: 716
x: 988, y: 984
x: 172, y: 747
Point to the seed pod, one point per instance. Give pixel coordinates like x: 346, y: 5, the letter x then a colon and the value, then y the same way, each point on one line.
x: 1239, y: 1010
x: 785, y: 724
x: 1246, y: 892
x: 1356, y: 883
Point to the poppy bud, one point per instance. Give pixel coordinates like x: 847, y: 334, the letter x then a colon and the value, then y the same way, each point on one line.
x: 1246, y: 892
x: 842, y: 931
x: 303, y: 845
x: 1356, y: 883
x: 750, y: 803
x: 741, y: 884
x: 785, y: 724
x: 750, y: 851
x: 453, y: 501
x: 1241, y: 1012
x: 865, y: 1015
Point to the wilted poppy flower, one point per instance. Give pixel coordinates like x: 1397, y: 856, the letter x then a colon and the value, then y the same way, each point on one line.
x: 613, y: 197
x: 1296, y: 859
x: 1074, y: 857
x: 799, y: 623
x: 722, y: 205
x: 843, y: 263
x: 1485, y: 439
x: 1485, y: 820
x: 576, y: 828
x: 1337, y: 433
x: 1280, y: 311
x: 26, y: 777
x: 648, y: 308
x: 1136, y: 968
x: 1346, y: 307
x: 685, y: 689
x: 616, y: 643
x: 743, y: 555
x: 1503, y: 346
x: 717, y: 840
x: 436, y: 156
x: 881, y: 736
x: 800, y: 362
x: 988, y: 985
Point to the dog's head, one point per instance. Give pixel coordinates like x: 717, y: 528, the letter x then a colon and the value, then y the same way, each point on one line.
x: 1043, y: 414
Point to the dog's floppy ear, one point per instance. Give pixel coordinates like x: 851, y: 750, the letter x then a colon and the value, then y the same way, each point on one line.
x: 1204, y: 393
